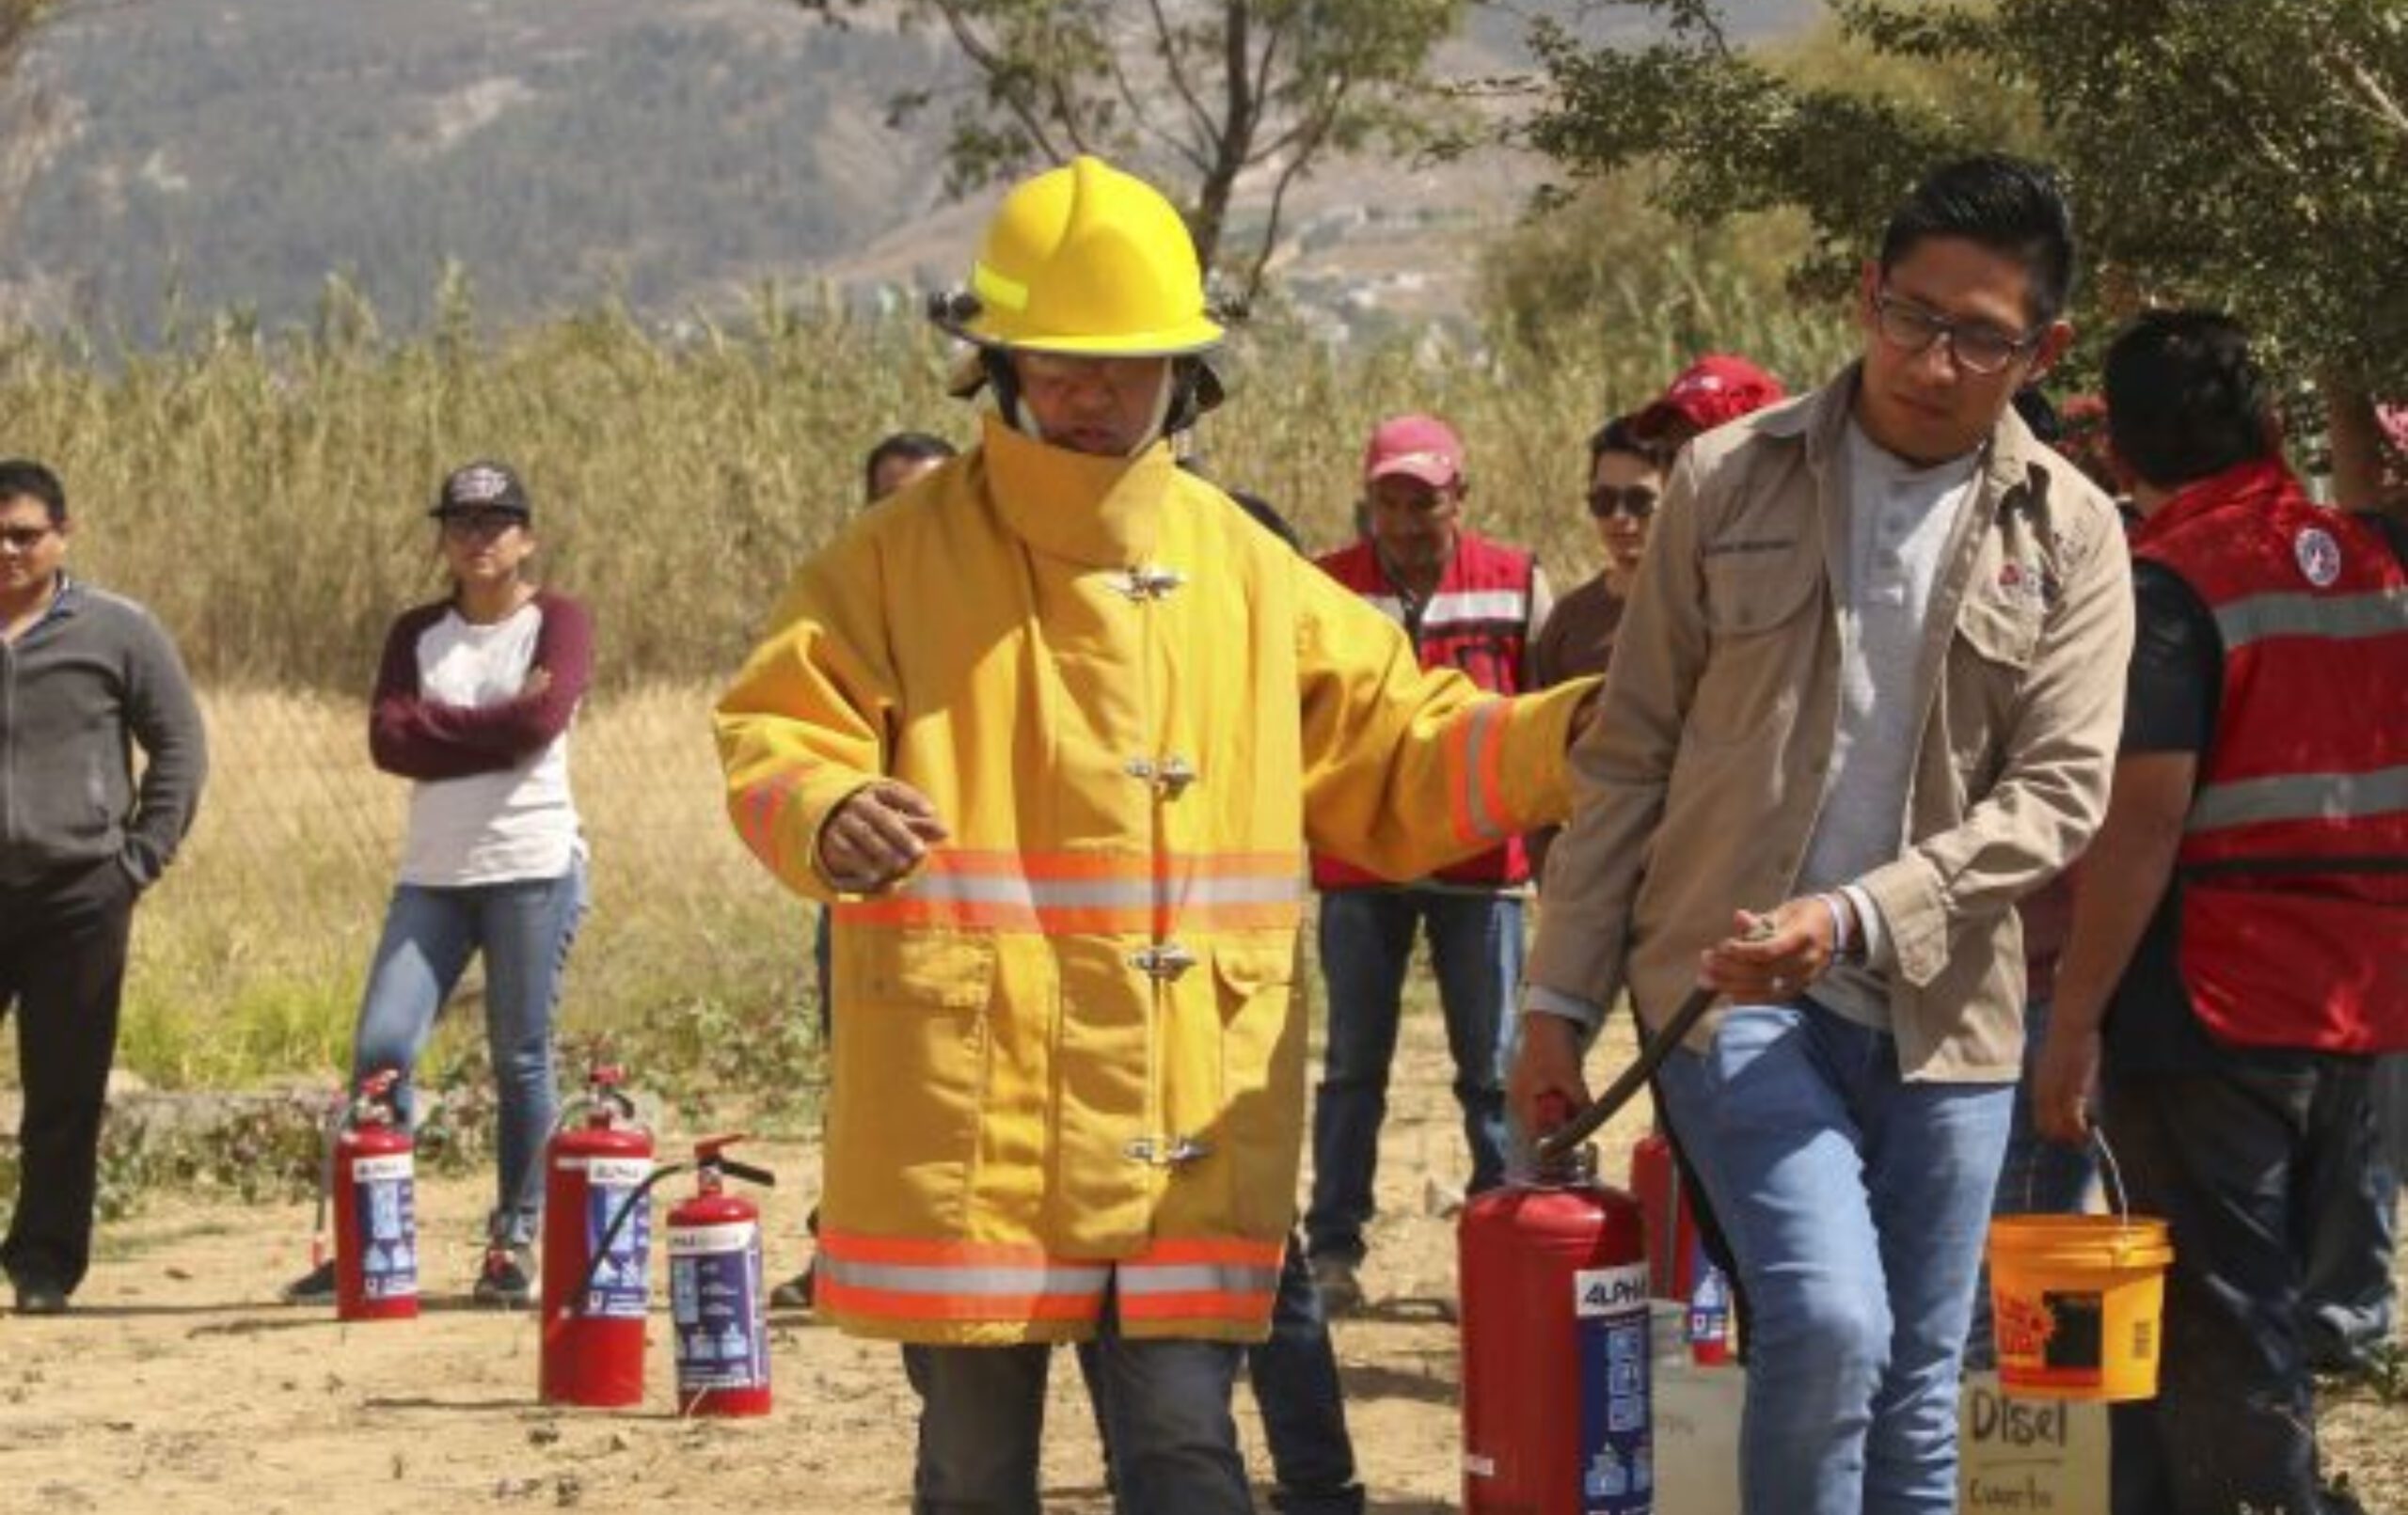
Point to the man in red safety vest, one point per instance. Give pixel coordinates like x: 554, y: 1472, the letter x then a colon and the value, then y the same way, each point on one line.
x: 1476, y: 605
x: 2237, y: 922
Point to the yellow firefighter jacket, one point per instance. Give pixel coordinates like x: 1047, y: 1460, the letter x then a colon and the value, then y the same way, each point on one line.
x: 1066, y: 1059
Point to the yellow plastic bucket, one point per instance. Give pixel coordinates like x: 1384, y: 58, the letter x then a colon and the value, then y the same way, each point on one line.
x: 2078, y: 1303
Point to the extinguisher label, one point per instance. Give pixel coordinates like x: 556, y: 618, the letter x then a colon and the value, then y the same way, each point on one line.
x: 715, y: 1306
x: 622, y: 1285
x: 386, y: 1204
x: 1616, y: 1455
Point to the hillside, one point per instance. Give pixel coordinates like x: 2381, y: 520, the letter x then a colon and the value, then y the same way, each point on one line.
x: 208, y: 155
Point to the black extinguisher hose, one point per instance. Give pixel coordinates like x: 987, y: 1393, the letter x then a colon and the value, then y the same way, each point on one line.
x: 1556, y: 1145
x: 575, y: 1303
x: 627, y: 1206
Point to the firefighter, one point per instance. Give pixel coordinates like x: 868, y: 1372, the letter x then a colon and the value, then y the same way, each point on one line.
x: 1046, y: 729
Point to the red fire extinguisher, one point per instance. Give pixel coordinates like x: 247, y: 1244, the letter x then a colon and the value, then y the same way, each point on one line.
x: 1553, y: 1282
x: 597, y: 1249
x: 1677, y: 1266
x: 1554, y: 1331
x: 369, y: 1173
x: 716, y: 1299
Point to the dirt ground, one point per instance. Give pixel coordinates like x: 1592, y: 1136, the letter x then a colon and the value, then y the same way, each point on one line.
x: 177, y: 1385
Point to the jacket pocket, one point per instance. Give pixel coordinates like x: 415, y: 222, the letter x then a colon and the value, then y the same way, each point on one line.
x: 1999, y: 631
x: 1989, y: 657
x: 1262, y: 1079
x: 1757, y: 606
x: 911, y: 1057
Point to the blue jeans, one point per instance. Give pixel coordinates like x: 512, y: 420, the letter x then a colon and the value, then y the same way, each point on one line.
x: 1166, y: 1406
x: 1365, y: 946
x: 1856, y: 1203
x: 524, y: 928
x: 2039, y: 1177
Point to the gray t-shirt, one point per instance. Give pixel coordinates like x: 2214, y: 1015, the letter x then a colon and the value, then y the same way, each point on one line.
x: 1900, y: 518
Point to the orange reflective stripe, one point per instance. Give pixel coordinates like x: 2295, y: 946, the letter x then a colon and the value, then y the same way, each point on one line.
x: 1476, y: 752
x: 908, y: 1279
x: 1196, y: 1306
x: 1214, y: 1249
x: 898, y: 1278
x: 839, y: 1296
x: 1095, y: 893
x: 758, y: 807
x: 1201, y: 1278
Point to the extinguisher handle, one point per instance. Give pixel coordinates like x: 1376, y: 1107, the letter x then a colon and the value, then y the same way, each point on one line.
x: 750, y: 1174
x: 1560, y: 1142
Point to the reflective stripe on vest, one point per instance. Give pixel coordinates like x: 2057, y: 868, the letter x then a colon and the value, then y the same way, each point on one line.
x: 1476, y: 620
x: 1092, y: 891
x: 2301, y: 797
x: 2294, y: 855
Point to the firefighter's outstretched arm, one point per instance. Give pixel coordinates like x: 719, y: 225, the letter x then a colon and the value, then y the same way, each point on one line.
x: 1408, y: 770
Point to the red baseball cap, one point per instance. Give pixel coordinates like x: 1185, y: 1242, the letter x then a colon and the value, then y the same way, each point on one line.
x: 1717, y: 387
x: 1420, y: 447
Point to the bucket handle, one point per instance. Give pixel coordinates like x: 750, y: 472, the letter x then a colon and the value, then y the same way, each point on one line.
x: 2112, y: 1176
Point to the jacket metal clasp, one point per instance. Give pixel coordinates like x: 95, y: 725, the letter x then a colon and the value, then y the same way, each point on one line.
x: 1149, y: 583
x: 1167, y: 1151
x: 1164, y: 960
x: 1172, y: 775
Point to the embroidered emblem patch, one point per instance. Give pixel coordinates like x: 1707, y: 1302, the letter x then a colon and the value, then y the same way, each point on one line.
x: 2319, y: 555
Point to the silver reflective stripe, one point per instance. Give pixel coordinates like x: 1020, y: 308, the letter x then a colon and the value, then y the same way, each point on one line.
x: 1474, y: 605
x: 1196, y: 1278
x: 1387, y: 604
x: 2330, y: 617
x: 1475, y: 755
x: 1007, y: 1282
x: 1074, y: 894
x: 2300, y: 796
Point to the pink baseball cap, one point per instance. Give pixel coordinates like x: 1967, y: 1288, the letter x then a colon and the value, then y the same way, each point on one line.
x: 1717, y: 387
x: 1418, y: 447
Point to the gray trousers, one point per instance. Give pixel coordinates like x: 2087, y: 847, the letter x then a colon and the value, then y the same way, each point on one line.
x: 1174, y: 1441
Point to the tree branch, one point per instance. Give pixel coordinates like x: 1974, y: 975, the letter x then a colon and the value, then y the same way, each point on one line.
x: 2377, y: 100
x: 1197, y: 115
x: 983, y: 57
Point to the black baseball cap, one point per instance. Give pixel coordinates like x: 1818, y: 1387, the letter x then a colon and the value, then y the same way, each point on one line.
x: 483, y: 485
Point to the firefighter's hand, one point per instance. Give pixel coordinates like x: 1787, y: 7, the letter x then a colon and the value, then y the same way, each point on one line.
x: 1770, y: 959
x: 878, y: 833
x: 1546, y: 1062
x: 2063, y: 1083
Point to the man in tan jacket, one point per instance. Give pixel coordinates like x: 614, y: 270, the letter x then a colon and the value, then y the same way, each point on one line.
x: 1865, y: 697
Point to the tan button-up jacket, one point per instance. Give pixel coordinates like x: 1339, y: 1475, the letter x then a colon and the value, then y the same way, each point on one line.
x: 1698, y: 782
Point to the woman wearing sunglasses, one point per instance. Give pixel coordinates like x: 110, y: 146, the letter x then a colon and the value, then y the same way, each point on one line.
x: 473, y: 702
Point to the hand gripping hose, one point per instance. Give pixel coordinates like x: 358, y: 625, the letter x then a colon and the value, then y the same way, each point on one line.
x: 1558, y: 1144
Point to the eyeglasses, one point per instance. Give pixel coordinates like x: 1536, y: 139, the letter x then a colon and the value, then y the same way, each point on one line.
x: 476, y: 526
x: 1637, y: 501
x: 1977, y: 348
x: 24, y: 538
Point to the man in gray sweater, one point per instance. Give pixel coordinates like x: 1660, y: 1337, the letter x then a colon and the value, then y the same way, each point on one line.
x: 85, y: 678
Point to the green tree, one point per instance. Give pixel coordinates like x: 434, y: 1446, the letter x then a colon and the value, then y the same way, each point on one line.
x: 1203, y: 93
x: 2250, y: 156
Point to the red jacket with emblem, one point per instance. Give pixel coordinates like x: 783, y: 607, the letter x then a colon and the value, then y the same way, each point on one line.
x: 1477, y: 620
x: 2295, y: 857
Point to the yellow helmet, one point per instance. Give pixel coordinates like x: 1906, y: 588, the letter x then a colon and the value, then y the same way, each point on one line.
x: 1087, y: 260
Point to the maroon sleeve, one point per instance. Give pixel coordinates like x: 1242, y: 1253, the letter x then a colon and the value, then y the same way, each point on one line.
x: 421, y: 738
